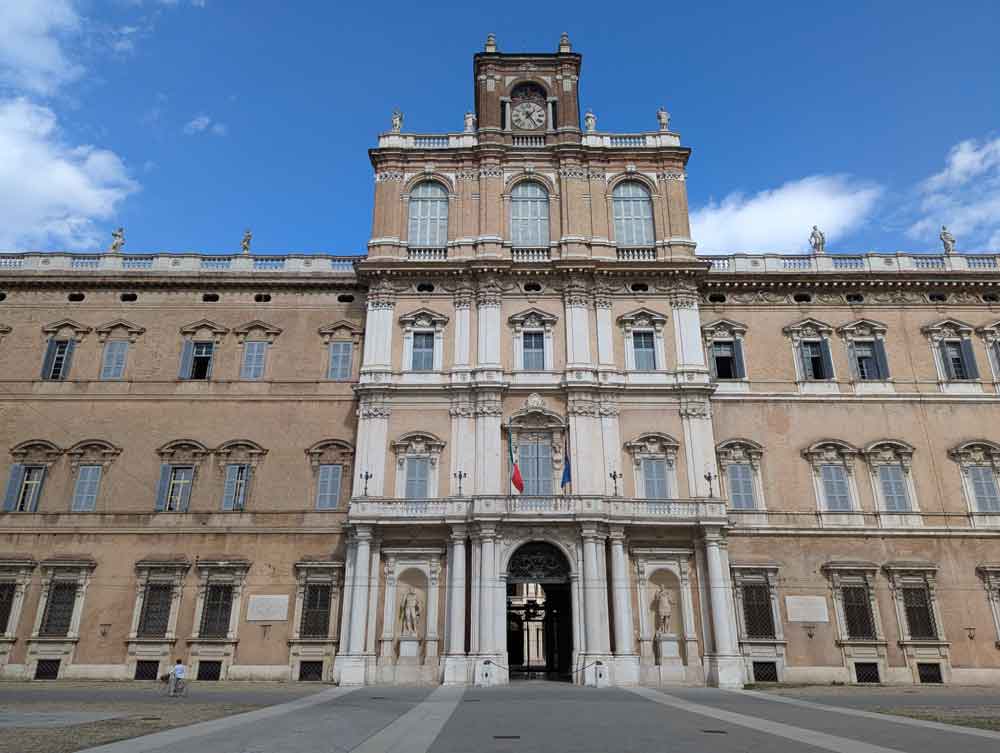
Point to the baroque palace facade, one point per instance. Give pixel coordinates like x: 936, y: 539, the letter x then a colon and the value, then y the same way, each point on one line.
x: 743, y: 468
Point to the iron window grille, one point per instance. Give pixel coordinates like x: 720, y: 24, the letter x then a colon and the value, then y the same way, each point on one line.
x: 919, y: 615
x: 757, y: 613
x: 866, y: 672
x: 216, y: 611
x: 155, y: 616
x: 315, y: 611
x: 860, y: 621
x: 58, y: 610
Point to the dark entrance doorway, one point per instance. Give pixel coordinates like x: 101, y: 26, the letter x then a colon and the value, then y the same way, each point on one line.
x: 539, y: 614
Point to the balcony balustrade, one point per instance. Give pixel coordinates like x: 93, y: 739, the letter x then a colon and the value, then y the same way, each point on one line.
x: 530, y: 255
x: 427, y: 254
x: 897, y: 263
x: 637, y: 254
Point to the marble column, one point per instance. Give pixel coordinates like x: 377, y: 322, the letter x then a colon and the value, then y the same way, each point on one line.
x: 624, y: 642
x: 488, y: 593
x: 455, y: 668
x: 359, y: 600
x: 725, y: 665
x: 389, y: 611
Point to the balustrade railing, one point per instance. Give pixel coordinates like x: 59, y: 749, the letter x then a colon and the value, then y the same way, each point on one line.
x: 427, y: 254
x: 32, y: 261
x: 137, y: 262
x: 214, y: 263
x: 529, y: 141
x: 873, y: 263
x: 636, y: 254
x: 530, y: 255
x: 268, y: 262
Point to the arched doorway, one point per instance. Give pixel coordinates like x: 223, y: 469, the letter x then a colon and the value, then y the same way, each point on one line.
x: 539, y: 613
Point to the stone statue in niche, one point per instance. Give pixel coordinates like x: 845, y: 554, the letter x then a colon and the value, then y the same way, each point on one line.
x: 409, y: 612
x: 664, y: 610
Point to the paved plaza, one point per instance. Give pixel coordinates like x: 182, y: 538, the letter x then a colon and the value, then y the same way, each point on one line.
x: 526, y: 717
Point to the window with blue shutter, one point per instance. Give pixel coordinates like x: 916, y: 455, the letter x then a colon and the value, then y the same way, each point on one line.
x: 340, y: 360
x: 534, y: 350
x: 837, y: 496
x: 58, y: 357
x: 113, y: 361
x: 196, y: 360
x: 644, y: 350
x: 892, y: 480
x: 174, y: 490
x: 958, y: 360
x: 535, y: 463
x: 88, y: 484
x: 234, y: 495
x: 328, y: 487
x: 254, y: 358
x: 816, y: 362
x: 24, y: 488
x: 417, y: 477
x: 654, y: 477
x: 984, y: 488
x: 423, y: 351
x: 739, y: 477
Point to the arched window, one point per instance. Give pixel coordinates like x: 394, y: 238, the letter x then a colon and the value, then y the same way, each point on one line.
x: 633, y: 214
x: 529, y: 215
x: 428, y: 216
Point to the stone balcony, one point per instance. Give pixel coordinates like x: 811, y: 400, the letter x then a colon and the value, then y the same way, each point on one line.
x: 526, y: 509
x: 872, y: 263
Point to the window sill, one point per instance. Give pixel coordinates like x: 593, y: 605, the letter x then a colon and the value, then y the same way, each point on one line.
x: 314, y: 641
x: 862, y: 642
x: 764, y: 641
x: 214, y: 641
x: 985, y: 519
x: 924, y: 642
x: 851, y: 518
x: 874, y: 387
x: 911, y: 519
x: 54, y: 639
x: 147, y: 640
x: 819, y: 387
x: 732, y: 385
x: 961, y: 388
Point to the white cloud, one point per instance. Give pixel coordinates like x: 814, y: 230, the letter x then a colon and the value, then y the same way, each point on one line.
x: 780, y: 219
x: 52, y: 193
x: 965, y: 196
x: 204, y: 124
x: 32, y: 56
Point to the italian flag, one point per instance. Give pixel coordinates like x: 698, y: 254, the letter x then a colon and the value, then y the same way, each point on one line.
x: 515, y: 472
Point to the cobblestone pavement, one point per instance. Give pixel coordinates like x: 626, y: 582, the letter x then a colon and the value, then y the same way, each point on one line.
x: 39, y: 717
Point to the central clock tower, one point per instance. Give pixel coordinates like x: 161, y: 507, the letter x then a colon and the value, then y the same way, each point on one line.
x: 528, y: 93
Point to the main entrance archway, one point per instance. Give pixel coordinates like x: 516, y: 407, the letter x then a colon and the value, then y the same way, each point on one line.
x: 539, y: 613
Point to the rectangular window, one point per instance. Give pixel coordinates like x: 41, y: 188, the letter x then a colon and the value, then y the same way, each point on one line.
x: 179, y: 489
x: 858, y: 613
x: 234, y: 495
x: 58, y: 609
x: 196, y: 360
x: 816, y: 364
x: 740, y: 479
x: 88, y: 483
x: 954, y: 363
x: 216, y: 611
x: 423, y: 351
x: 328, y: 487
x: 7, y: 591
x: 535, y: 462
x: 315, y: 611
x: 58, y: 357
x: 155, y: 615
x: 24, y: 488
x: 724, y: 359
x: 654, y: 477
x: 254, y: 358
x: 837, y: 496
x: 645, y: 354
x: 417, y: 477
x: 864, y: 359
x: 919, y: 616
x: 113, y: 361
x: 534, y: 350
x: 984, y: 488
x: 757, y: 612
x: 892, y: 480
x: 340, y: 360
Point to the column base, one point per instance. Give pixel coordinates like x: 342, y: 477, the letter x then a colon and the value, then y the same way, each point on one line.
x: 456, y: 670
x: 725, y: 671
x: 350, y: 669
x: 626, y: 669
x: 597, y: 670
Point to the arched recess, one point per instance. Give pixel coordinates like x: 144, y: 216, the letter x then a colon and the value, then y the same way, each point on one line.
x: 92, y: 452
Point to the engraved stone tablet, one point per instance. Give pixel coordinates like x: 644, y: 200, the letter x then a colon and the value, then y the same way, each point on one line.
x: 806, y: 609
x: 267, y: 609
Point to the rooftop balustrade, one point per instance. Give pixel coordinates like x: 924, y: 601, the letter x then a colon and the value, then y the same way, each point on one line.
x: 872, y: 263
x: 36, y: 261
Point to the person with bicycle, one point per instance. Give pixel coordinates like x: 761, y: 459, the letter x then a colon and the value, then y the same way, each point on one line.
x: 176, y: 679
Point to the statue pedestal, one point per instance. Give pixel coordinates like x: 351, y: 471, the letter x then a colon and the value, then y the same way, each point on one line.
x: 409, y: 650
x: 668, y: 654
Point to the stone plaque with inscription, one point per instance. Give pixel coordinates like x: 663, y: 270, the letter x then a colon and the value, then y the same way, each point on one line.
x: 267, y: 609
x: 806, y: 609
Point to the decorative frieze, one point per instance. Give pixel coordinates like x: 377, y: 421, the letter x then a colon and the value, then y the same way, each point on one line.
x: 389, y: 176
x: 671, y: 176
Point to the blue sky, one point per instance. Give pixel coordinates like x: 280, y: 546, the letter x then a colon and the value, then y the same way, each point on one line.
x: 188, y: 120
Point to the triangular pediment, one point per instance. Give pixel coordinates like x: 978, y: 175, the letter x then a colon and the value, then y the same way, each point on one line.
x: 807, y: 326
x: 341, y: 325
x: 724, y: 326
x: 947, y: 325
x: 533, y: 318
x: 423, y: 317
x: 643, y: 317
x: 257, y: 325
x: 61, y: 324
x: 133, y: 330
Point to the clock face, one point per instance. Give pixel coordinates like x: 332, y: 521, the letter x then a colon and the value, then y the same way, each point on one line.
x: 529, y: 116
